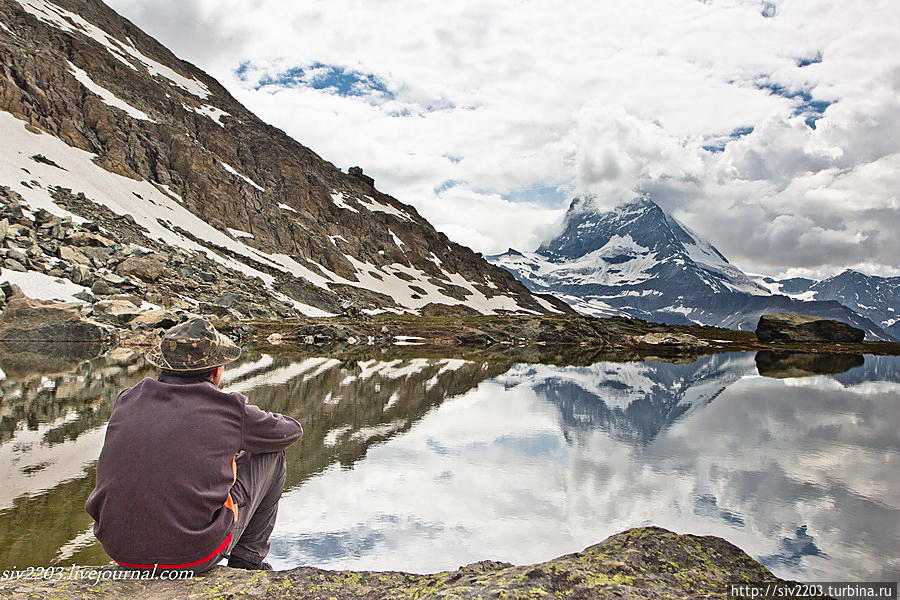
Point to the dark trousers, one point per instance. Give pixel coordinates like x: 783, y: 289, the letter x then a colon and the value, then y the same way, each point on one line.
x: 260, y: 481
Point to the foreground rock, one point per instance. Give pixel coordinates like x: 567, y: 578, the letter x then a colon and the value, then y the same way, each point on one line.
x: 641, y: 563
x: 788, y: 328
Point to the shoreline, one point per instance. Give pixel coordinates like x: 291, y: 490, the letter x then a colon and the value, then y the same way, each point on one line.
x: 579, y: 334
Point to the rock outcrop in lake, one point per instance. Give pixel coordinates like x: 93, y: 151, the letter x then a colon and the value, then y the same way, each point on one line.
x: 791, y: 328
x: 639, y: 564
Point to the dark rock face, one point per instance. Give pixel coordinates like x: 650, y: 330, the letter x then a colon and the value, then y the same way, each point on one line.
x: 188, y: 145
x: 787, y: 328
x: 639, y: 564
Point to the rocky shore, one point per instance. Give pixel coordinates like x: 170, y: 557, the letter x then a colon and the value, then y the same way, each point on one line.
x: 637, y: 564
x: 572, y: 333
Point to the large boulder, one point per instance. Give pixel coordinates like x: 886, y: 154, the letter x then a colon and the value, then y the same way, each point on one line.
x: 789, y: 328
x: 146, y: 268
x: 29, y: 320
x: 115, y: 311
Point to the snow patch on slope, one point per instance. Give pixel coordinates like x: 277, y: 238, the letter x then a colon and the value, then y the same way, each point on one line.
x: 108, y: 97
x: 238, y: 233
x: 400, y: 243
x: 235, y: 172
x: 375, y: 206
x: 338, y: 199
x: 213, y: 113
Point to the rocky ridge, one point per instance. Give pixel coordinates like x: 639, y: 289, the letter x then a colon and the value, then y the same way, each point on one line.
x: 105, y: 126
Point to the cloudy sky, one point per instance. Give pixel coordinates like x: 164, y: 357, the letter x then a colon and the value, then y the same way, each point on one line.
x: 771, y: 128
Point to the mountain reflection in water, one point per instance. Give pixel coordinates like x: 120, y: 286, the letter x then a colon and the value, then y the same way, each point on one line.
x: 426, y: 464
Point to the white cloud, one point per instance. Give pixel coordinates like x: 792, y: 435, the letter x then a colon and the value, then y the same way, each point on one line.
x: 609, y: 98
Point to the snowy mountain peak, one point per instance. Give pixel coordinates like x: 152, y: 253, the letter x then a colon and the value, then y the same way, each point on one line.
x: 635, y: 238
x: 638, y: 260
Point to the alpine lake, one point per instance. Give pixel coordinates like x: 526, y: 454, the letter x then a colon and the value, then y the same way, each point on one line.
x: 425, y: 464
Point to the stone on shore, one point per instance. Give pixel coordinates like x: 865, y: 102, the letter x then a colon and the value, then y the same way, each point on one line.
x: 791, y: 328
x: 683, y: 340
x: 639, y: 564
x: 29, y: 320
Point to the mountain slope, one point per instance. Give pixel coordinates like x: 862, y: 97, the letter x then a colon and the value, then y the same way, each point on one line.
x: 100, y: 121
x: 638, y: 260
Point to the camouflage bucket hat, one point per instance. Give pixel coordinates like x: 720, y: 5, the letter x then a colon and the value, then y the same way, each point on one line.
x: 191, y: 346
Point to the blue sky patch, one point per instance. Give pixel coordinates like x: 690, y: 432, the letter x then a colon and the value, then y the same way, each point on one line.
x: 333, y: 79
x: 718, y: 144
x: 550, y: 196
x: 805, y: 104
x: 805, y: 62
x: 447, y: 184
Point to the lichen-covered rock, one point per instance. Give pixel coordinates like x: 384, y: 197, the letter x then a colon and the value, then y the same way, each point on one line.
x: 788, y: 328
x: 638, y: 564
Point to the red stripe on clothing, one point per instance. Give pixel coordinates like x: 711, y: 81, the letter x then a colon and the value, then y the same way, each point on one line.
x: 183, y: 565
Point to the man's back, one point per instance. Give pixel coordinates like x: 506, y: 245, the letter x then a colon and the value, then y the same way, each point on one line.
x: 166, y: 468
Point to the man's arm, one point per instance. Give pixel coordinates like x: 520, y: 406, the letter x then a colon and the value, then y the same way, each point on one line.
x: 268, y: 432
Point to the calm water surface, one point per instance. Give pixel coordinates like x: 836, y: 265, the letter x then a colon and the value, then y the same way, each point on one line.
x: 429, y: 464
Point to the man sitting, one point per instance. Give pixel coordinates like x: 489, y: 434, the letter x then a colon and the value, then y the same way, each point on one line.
x: 188, y: 473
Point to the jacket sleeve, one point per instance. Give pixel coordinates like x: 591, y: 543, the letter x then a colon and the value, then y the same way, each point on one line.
x: 267, y: 432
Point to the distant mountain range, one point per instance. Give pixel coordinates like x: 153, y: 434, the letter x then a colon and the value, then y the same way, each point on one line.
x: 639, y: 261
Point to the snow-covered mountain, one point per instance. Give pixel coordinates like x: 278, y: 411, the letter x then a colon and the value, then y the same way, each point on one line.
x: 639, y: 261
x: 114, y: 149
x: 876, y: 298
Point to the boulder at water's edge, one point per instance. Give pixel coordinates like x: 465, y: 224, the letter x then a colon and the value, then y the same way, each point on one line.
x: 789, y: 328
